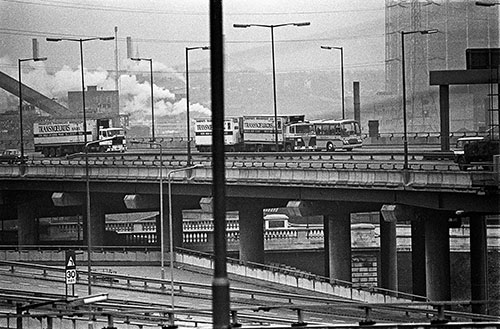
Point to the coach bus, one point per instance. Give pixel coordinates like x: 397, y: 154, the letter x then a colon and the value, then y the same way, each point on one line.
x: 332, y: 135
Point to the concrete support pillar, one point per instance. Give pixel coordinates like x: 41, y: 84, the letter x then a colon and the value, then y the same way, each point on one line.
x: 444, y: 113
x: 97, y: 224
x: 251, y: 233
x: 478, y: 262
x: 388, y: 255
x: 326, y: 245
x: 437, y: 258
x: 418, y: 257
x: 176, y: 223
x: 27, y: 226
x: 339, y: 245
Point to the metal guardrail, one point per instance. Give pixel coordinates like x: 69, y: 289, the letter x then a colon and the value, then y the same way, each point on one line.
x: 440, y: 312
x: 294, y: 272
x: 431, y: 134
x: 332, y: 171
x: 315, y: 160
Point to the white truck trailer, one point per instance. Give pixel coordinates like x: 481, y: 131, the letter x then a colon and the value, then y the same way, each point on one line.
x: 257, y: 134
x: 62, y: 137
x: 233, y: 138
x: 293, y: 133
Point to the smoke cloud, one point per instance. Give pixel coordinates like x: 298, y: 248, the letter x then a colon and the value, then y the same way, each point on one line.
x: 135, y: 89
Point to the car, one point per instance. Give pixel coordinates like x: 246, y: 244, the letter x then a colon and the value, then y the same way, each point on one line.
x: 11, y: 156
x: 478, y: 150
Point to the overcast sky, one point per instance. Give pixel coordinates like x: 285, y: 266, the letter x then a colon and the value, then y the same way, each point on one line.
x: 161, y: 29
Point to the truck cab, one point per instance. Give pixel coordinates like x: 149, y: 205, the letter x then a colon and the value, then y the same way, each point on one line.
x: 300, y: 137
x: 117, y: 144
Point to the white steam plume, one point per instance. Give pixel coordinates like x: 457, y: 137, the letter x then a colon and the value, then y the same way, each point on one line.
x: 135, y: 96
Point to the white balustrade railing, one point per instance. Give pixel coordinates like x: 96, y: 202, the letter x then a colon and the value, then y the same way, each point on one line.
x: 362, y: 236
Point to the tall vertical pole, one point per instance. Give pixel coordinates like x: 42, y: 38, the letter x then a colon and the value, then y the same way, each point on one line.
x: 162, y: 239
x: 152, y: 102
x: 117, y: 77
x: 342, y: 80
x: 187, y: 111
x: 171, y: 238
x: 274, y: 93
x: 341, y: 74
x: 85, y: 149
x: 87, y: 181
x: 405, y: 134
x: 21, y: 112
x: 83, y: 94
x: 220, y: 283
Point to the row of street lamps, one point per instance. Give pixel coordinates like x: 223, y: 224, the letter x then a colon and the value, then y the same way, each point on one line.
x: 187, y: 49
x: 272, y: 27
x: 150, y: 60
x: 152, y: 142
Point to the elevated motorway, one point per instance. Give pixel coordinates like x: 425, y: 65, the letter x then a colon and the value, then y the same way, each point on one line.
x: 312, y: 177
x: 428, y: 197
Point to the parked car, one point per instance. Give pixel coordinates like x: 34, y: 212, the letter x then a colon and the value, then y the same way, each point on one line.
x: 11, y: 156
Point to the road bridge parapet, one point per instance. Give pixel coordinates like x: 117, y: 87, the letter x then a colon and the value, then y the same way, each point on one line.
x: 438, y: 180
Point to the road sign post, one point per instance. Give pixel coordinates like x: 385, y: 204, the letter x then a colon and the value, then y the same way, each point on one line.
x: 70, y: 270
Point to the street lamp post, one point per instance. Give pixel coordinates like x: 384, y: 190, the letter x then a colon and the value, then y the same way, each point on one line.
x: 405, y: 133
x: 187, y: 102
x: 171, y: 228
x: 89, y: 242
x: 341, y: 73
x: 36, y: 59
x: 150, y: 60
x: 272, y: 27
x: 89, y: 226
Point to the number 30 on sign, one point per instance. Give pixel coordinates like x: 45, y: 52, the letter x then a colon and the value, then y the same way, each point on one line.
x: 71, y: 276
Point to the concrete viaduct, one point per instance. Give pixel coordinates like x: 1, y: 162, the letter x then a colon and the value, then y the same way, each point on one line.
x: 427, y: 199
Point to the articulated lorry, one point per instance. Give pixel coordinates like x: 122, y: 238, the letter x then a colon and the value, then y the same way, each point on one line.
x: 61, y: 137
x: 257, y: 133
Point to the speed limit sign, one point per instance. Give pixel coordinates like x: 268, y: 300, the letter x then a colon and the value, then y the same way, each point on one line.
x: 71, y: 276
x: 70, y: 272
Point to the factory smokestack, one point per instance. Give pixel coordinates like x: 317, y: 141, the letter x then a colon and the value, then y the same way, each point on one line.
x: 129, y: 47
x: 357, y: 105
